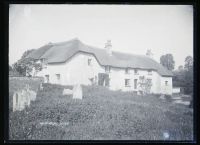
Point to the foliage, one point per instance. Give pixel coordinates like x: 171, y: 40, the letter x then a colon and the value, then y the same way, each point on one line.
x: 188, y: 63
x: 184, y: 77
x: 145, y: 85
x: 180, y: 68
x: 167, y: 61
x: 102, y: 114
x: 26, y: 65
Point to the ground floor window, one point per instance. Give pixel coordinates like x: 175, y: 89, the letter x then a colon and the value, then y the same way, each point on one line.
x: 103, y: 79
x: 149, y: 81
x: 135, y: 83
x: 127, y: 82
x: 58, y: 76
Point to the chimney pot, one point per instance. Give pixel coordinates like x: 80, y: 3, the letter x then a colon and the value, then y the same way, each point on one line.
x: 108, y: 47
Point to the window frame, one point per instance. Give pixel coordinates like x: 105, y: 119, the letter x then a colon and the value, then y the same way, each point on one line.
x: 135, y: 83
x: 127, y: 71
x: 58, y: 77
x: 89, y: 61
x: 150, y: 80
x: 107, y: 69
x: 166, y: 83
x: 136, y: 72
x: 127, y: 83
x: 150, y: 72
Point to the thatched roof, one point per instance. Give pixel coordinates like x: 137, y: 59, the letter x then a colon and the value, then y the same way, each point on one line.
x: 61, y: 52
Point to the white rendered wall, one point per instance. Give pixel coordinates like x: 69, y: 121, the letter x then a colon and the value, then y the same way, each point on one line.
x: 166, y: 89
x: 77, y: 71
x: 74, y: 71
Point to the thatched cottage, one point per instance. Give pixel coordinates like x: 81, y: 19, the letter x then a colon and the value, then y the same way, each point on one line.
x: 73, y: 62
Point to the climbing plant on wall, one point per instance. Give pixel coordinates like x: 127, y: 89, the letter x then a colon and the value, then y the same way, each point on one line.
x: 144, y: 85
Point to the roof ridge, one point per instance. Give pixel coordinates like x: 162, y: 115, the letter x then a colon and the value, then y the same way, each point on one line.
x: 113, y: 51
x: 63, y: 42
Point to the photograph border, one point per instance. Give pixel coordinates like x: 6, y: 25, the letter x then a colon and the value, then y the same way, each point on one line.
x: 6, y: 60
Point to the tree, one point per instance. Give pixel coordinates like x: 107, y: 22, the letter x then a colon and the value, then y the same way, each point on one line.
x: 188, y: 75
x: 180, y: 68
x: 167, y: 61
x: 26, y: 65
x: 188, y: 63
x: 184, y: 77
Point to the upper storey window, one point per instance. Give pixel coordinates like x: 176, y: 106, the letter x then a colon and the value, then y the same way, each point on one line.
x: 149, y: 72
x: 107, y: 69
x: 136, y: 72
x: 127, y: 71
x: 89, y: 62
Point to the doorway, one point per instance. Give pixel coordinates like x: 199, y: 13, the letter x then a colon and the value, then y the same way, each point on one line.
x: 103, y: 79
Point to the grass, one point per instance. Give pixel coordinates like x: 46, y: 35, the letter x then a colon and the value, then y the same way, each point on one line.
x: 101, y: 115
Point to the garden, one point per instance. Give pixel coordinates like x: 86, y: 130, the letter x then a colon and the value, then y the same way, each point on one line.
x: 101, y: 115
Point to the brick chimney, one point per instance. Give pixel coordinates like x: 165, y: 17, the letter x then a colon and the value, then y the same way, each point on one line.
x: 108, y: 47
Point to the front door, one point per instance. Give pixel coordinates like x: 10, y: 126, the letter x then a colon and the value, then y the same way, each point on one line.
x: 103, y: 79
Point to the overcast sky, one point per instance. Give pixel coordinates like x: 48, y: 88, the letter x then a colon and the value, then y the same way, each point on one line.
x: 131, y: 28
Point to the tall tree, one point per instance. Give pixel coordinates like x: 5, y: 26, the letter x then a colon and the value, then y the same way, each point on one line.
x: 188, y: 75
x: 167, y: 61
x: 188, y: 62
x: 184, y: 77
x: 180, y: 68
x: 25, y: 65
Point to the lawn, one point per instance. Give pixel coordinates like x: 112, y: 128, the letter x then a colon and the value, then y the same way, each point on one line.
x: 100, y: 115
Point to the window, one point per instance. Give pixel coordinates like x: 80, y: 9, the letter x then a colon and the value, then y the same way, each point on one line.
x: 135, y: 83
x: 42, y: 60
x: 166, y: 83
x: 127, y: 82
x: 149, y: 81
x: 58, y: 76
x: 127, y: 71
x: 89, y: 61
x: 149, y: 72
x: 47, y: 78
x: 136, y: 72
x: 107, y: 69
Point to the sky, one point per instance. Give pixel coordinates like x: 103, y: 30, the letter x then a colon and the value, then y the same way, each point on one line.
x: 131, y: 28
